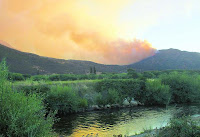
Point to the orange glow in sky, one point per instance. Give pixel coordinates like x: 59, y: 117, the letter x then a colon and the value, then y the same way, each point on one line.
x: 95, y: 30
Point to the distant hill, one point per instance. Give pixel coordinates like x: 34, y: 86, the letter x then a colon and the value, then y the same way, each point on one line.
x: 169, y: 59
x: 27, y: 63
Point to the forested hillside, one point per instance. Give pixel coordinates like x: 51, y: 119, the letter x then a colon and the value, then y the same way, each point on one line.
x: 27, y: 63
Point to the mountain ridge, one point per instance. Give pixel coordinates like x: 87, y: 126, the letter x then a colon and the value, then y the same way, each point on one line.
x: 169, y: 59
x: 29, y: 63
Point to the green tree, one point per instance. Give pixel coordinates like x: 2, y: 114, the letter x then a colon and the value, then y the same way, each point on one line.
x: 147, y: 74
x: 133, y: 74
x: 94, y: 70
x: 91, y: 70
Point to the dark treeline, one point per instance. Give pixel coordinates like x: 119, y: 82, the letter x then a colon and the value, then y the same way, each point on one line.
x: 92, y: 76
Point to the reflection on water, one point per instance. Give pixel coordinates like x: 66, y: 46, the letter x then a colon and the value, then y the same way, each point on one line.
x: 127, y: 121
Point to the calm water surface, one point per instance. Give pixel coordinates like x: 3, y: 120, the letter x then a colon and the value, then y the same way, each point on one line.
x: 127, y: 121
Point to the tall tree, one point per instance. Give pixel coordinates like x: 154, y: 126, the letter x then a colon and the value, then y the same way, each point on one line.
x: 133, y: 74
x: 94, y: 69
x: 90, y: 70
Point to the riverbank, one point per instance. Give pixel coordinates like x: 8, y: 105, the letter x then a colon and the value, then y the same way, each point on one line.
x: 125, y: 121
x: 151, y: 133
x: 184, y: 127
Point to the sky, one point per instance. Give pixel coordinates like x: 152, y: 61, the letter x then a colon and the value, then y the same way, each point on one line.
x: 108, y: 32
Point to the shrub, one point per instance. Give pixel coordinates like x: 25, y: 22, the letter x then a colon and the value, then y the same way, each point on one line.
x: 15, y: 77
x: 181, y: 127
x: 112, y: 97
x: 133, y: 74
x: 125, y: 88
x: 185, y: 88
x: 62, y: 99
x: 21, y: 115
x: 83, y: 103
x: 40, y: 78
x: 65, y: 77
x: 156, y: 93
x: 26, y: 76
x: 147, y: 74
x: 54, y: 77
x: 41, y: 89
x: 99, y: 99
x: 85, y: 90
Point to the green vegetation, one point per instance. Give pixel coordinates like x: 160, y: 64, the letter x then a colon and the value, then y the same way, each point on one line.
x: 124, y: 87
x: 45, y: 85
x: 156, y: 93
x: 185, y: 88
x: 64, y: 100
x: 150, y: 88
x: 26, y: 101
x: 177, y: 127
x: 22, y: 115
x: 110, y: 97
x: 181, y: 127
x: 16, y: 77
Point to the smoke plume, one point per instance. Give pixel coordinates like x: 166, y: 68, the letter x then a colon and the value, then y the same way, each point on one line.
x: 71, y: 29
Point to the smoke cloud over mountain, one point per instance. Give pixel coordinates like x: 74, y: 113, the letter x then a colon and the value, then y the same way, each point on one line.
x: 72, y: 29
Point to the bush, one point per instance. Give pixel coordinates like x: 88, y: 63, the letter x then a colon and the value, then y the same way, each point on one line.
x: 99, y: 100
x: 156, y: 93
x: 40, y: 78
x: 125, y: 88
x: 21, y: 115
x: 181, y: 127
x: 112, y: 97
x: 62, y: 99
x: 15, y: 77
x: 185, y: 88
x: 133, y: 74
x: 65, y: 77
x: 26, y: 76
x: 149, y: 75
x: 41, y: 89
x: 83, y: 103
x: 108, y: 97
x: 54, y: 77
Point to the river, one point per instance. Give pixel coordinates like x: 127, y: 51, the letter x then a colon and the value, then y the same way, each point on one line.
x: 126, y: 121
